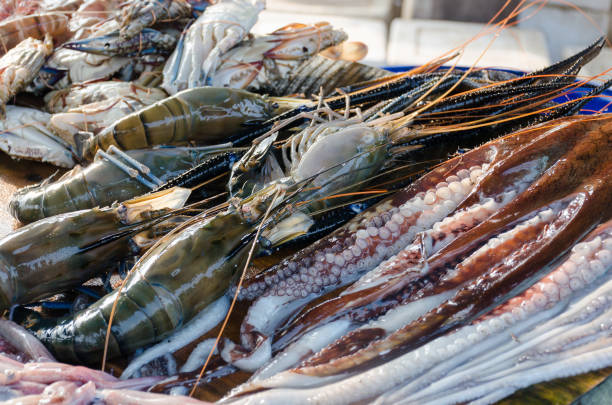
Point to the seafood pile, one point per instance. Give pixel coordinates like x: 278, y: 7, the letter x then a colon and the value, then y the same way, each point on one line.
x: 374, y: 237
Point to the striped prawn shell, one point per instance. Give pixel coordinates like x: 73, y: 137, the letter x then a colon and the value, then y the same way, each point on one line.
x: 320, y: 72
x: 16, y: 29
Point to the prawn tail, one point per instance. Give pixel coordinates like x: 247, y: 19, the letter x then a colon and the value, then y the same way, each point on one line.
x: 140, y: 314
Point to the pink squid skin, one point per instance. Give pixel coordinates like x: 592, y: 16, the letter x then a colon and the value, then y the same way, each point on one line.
x: 43, y: 380
x: 577, y: 186
x: 32, y: 374
x: 69, y: 392
x: 126, y: 397
x: 63, y: 392
x: 29, y: 387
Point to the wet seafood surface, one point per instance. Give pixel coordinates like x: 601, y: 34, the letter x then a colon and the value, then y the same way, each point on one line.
x: 191, y: 213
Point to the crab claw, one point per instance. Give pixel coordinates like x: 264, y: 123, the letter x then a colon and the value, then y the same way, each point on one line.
x: 148, y: 41
x: 47, y: 77
x: 24, y: 135
x: 297, y: 41
x: 102, y: 45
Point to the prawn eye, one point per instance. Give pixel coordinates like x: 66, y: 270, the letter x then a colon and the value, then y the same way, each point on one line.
x: 107, y: 45
x: 305, y: 49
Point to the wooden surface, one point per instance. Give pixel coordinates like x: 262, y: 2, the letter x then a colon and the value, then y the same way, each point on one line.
x: 562, y: 391
x: 15, y: 174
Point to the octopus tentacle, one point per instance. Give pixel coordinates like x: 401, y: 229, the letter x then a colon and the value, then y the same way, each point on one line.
x: 426, y: 243
x: 355, y: 248
x: 513, y: 359
x: 587, y: 360
x: 431, y: 362
x: 397, y: 270
x: 588, y: 201
x: 449, y: 390
x: 565, y: 188
x: 435, y: 293
x: 308, y: 344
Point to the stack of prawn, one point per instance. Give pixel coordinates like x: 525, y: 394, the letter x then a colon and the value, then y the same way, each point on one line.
x: 432, y: 230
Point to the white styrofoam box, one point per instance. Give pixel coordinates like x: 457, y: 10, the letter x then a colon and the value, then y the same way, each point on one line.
x: 602, y: 5
x: 598, y: 65
x: 377, y: 9
x: 414, y: 42
x: 371, y: 32
x: 564, y: 26
x: 480, y: 9
x: 415, y: 9
x: 464, y: 10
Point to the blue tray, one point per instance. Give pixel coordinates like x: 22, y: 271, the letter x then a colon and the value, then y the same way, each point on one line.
x: 601, y: 103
